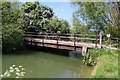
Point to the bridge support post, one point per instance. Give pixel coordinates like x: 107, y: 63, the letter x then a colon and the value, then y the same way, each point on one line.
x: 42, y: 39
x: 74, y: 41
x: 31, y: 41
x: 101, y: 35
x: 57, y: 40
x: 84, y: 50
x: 96, y: 41
x: 100, y: 41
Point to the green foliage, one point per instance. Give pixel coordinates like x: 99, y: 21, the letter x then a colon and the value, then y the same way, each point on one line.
x: 108, y: 65
x: 36, y: 16
x: 114, y: 12
x: 56, y: 25
x: 91, y: 58
x: 92, y: 13
x: 100, y: 15
x: 12, y: 27
x: 116, y: 44
x: 100, y: 52
x: 78, y: 27
x: 40, y: 18
x: 12, y: 37
x: 29, y: 17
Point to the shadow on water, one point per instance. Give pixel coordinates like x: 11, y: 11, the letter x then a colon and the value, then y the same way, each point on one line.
x: 62, y: 52
x: 39, y: 49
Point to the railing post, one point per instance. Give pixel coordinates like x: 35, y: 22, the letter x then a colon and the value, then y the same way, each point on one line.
x: 42, y: 39
x: 100, y: 41
x: 57, y: 40
x: 31, y: 39
x: 96, y: 41
x: 74, y: 42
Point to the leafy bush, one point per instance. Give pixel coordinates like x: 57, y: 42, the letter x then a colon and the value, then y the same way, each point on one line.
x: 91, y: 58
x: 12, y: 37
x: 12, y: 26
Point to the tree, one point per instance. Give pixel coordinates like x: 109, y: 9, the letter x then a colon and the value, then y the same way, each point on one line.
x: 78, y: 27
x: 56, y: 25
x: 114, y: 18
x: 36, y: 16
x: 99, y: 15
x: 12, y: 28
x: 93, y: 13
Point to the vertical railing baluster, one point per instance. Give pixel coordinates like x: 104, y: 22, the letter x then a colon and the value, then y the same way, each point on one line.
x: 31, y: 39
x: 74, y: 42
x: 96, y: 41
x: 57, y: 40
x: 42, y: 39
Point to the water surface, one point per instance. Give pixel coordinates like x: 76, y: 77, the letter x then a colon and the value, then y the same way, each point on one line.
x: 44, y: 65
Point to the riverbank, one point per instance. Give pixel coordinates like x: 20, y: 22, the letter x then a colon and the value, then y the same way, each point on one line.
x: 107, y: 66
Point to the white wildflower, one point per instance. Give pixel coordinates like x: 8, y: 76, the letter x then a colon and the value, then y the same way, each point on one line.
x: 6, y: 72
x: 23, y: 69
x: 18, y: 74
x: 1, y: 75
x: 11, y: 68
x: 11, y: 71
x: 17, y: 70
x: 16, y: 77
x: 13, y: 65
x: 22, y: 73
x: 8, y: 75
x: 20, y: 66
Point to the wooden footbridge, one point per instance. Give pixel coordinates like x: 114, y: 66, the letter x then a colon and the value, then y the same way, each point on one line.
x: 72, y: 42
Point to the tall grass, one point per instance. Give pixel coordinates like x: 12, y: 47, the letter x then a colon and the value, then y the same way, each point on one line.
x: 107, y: 66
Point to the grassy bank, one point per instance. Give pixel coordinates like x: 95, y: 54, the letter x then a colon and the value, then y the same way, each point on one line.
x: 107, y: 66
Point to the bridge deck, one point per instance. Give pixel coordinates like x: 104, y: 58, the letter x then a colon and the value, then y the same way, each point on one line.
x: 46, y: 40
x: 68, y: 45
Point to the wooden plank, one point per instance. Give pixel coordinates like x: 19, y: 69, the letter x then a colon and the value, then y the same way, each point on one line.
x: 63, y: 37
x: 65, y: 43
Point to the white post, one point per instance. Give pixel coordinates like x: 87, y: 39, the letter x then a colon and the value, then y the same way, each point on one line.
x: 101, y: 33
x: 108, y: 36
x: 100, y: 40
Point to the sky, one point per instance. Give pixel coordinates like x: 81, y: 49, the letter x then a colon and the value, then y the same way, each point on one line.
x: 63, y: 9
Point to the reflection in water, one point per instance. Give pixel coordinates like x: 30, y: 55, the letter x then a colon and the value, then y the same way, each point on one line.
x: 44, y: 65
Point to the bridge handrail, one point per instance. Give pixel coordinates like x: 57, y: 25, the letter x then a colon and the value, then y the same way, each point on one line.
x: 69, y: 37
x: 63, y: 37
x: 72, y: 37
x: 115, y: 39
x: 77, y: 35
